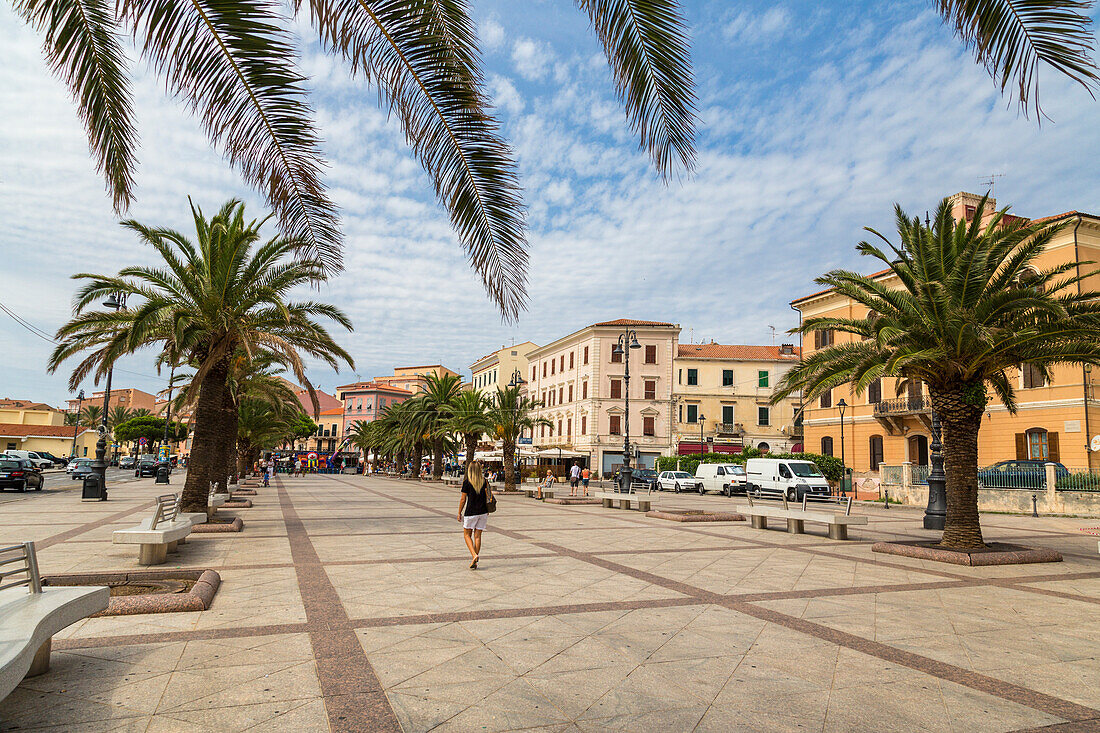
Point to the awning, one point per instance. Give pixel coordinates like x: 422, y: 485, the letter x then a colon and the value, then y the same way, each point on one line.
x: 563, y: 452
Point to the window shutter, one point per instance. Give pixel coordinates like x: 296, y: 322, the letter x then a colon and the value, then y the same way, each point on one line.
x: 1021, y: 446
x: 1052, y: 446
x: 817, y: 339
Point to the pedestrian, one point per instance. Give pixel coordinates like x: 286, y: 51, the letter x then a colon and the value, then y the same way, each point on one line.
x: 547, y: 484
x: 585, y: 475
x: 574, y: 478
x: 473, y: 509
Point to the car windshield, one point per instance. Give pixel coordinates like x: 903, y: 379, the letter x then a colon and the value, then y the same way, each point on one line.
x: 804, y: 470
x: 736, y: 470
x: 681, y: 474
x: 8, y: 465
x: 647, y: 473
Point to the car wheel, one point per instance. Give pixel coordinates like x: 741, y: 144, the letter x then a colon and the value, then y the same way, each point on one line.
x: 676, y: 488
x: 791, y: 495
x: 702, y: 490
x: 23, y: 488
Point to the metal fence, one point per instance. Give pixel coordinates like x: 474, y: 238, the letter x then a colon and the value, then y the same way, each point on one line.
x: 1012, y: 477
x: 1083, y: 481
x: 920, y: 475
x: 891, y: 475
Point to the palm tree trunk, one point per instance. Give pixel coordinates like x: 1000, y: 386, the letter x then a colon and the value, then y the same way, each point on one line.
x: 961, y: 422
x: 231, y: 426
x: 471, y: 446
x: 206, y: 459
x: 509, y: 451
x: 437, y: 458
x: 417, y: 458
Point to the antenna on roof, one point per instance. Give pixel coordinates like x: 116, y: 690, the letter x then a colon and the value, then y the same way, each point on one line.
x: 773, y: 335
x: 991, y: 183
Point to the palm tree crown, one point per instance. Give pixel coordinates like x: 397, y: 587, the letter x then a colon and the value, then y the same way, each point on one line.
x: 971, y: 308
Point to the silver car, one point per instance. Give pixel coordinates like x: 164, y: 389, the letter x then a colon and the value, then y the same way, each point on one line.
x: 679, y: 481
x: 79, y: 468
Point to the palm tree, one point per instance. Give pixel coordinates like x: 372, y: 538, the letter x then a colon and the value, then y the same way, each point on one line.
x: 72, y: 419
x: 436, y: 403
x: 510, y: 414
x: 118, y: 415
x: 972, y: 306
x: 469, y: 418
x: 225, y: 293
x: 91, y: 416
x: 237, y: 66
x: 364, y: 437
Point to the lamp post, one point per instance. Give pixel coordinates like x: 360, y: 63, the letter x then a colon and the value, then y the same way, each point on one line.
x: 516, y: 382
x: 627, y: 340
x: 116, y: 301
x: 702, y: 417
x: 76, y: 428
x: 935, y: 514
x: 842, y: 405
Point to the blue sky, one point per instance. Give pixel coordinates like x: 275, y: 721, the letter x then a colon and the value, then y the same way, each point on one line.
x: 815, y: 119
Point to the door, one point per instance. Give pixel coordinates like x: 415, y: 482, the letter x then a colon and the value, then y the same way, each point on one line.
x: 918, y: 450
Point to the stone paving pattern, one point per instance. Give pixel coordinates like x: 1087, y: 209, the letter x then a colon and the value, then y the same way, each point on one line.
x: 346, y: 605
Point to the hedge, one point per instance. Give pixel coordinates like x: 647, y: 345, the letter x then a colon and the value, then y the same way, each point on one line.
x: 829, y: 465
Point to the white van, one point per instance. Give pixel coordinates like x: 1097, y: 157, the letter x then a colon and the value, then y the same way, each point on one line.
x: 727, y: 478
x: 793, y: 478
x: 36, y: 460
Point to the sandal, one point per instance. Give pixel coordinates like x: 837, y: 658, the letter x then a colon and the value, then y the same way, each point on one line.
x: 473, y: 565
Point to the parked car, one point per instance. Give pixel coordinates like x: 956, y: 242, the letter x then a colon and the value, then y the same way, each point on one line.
x: 679, y: 481
x: 726, y: 478
x: 58, y: 461
x: 646, y: 476
x: 19, y: 475
x: 1018, y: 474
x: 79, y: 468
x: 794, y: 478
x: 35, y: 460
x: 126, y: 462
x: 145, y: 467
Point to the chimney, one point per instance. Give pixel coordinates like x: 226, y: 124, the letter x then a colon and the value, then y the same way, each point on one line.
x: 786, y: 349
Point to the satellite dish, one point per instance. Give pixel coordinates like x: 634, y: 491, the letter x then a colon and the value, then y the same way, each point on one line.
x: 1095, y: 444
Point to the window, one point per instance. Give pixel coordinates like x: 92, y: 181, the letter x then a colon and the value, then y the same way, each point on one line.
x: 650, y: 354
x: 727, y: 377
x: 562, y: 368
x: 876, y: 451
x: 693, y: 377
x: 559, y: 426
x: 584, y: 390
x: 827, y: 401
x: 763, y: 415
x: 679, y: 376
x: 649, y: 426
x: 650, y: 389
x: 1033, y: 376
x: 542, y: 431
x: 823, y: 338
x: 826, y: 445
x: 585, y: 354
x: 570, y: 359
x: 763, y: 447
x: 544, y: 370
x: 614, y: 428
x: 381, y: 402
x: 561, y: 395
x: 616, y: 389
x: 762, y: 378
x: 553, y: 363
x: 727, y: 414
x: 584, y: 424
x: 874, y: 394
x: 784, y: 472
x: 534, y: 373
x: 693, y: 413
x: 570, y: 393
x: 569, y: 426
x: 1037, y: 444
x: 616, y: 356
x: 680, y: 416
x: 543, y: 398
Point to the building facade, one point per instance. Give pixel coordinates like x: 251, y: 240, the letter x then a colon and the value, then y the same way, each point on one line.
x: 580, y: 384
x: 366, y: 401
x: 495, y: 370
x: 722, y: 395
x: 1055, y: 420
x: 128, y: 397
x: 35, y: 426
x: 414, y: 378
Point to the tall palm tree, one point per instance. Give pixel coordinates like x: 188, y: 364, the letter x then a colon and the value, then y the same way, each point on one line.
x: 118, y: 415
x: 469, y: 419
x: 510, y: 414
x: 91, y: 416
x: 972, y: 307
x: 225, y: 292
x: 237, y: 66
x: 436, y: 403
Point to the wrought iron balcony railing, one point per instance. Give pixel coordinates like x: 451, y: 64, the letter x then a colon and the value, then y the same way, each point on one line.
x: 904, y: 405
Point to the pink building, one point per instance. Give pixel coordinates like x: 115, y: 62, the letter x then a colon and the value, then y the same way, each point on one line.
x: 366, y: 401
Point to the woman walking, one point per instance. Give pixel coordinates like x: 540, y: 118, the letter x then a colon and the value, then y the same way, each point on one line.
x: 473, y: 509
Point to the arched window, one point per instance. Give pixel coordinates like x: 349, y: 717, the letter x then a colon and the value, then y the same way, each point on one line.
x: 876, y: 451
x: 1038, y: 444
x: 763, y: 447
x: 827, y: 445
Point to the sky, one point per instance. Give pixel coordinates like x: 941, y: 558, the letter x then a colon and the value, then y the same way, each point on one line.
x: 814, y: 120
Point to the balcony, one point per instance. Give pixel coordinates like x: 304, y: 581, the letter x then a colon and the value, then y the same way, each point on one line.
x: 892, y: 414
x: 728, y: 429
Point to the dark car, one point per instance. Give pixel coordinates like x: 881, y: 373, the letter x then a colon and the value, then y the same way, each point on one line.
x: 646, y: 476
x: 1018, y: 474
x: 58, y: 462
x: 19, y: 475
x: 145, y: 467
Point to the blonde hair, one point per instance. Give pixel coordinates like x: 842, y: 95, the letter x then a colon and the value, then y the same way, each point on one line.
x: 475, y: 475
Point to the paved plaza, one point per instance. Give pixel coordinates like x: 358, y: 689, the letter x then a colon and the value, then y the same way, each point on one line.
x: 346, y: 605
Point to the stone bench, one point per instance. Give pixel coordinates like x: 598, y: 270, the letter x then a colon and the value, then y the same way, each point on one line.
x: 31, y: 615
x: 797, y: 516
x: 159, y: 534
x: 534, y: 493
x: 623, y: 500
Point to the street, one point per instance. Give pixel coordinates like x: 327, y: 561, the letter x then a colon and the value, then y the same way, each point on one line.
x: 59, y: 481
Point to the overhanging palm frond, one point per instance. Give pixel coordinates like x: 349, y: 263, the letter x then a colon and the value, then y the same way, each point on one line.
x: 423, y: 61
x: 81, y: 42
x: 235, y: 64
x: 1013, y: 37
x: 646, y: 43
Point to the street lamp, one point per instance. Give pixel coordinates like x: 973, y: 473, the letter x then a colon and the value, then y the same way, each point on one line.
x: 627, y: 340
x: 702, y: 417
x: 935, y: 514
x: 76, y: 428
x: 516, y: 382
x: 843, y: 465
x: 116, y: 302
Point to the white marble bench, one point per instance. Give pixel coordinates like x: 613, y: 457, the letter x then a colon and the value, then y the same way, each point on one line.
x: 796, y: 517
x: 623, y: 500
x: 159, y: 534
x: 30, y: 615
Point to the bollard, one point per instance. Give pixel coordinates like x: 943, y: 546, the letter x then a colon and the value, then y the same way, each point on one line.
x: 1034, y: 505
x: 886, y: 498
x: 162, y: 474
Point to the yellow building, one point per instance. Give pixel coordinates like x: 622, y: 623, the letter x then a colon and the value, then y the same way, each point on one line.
x: 495, y: 370
x: 35, y: 426
x: 414, y: 378
x: 1056, y: 420
x: 722, y: 394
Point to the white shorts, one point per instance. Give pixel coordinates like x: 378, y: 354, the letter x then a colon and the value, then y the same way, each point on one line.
x: 475, y: 521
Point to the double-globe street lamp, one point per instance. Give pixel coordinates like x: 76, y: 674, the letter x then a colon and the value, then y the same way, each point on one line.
x: 517, y: 382
x: 116, y: 302
x: 627, y: 340
x: 842, y: 405
x: 702, y: 417
x: 76, y: 428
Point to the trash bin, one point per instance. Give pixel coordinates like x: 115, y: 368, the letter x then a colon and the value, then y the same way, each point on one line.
x: 162, y: 474
x: 92, y: 489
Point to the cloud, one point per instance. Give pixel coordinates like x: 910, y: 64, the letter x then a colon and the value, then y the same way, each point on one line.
x: 492, y: 34
x: 505, y: 94
x: 748, y: 26
x: 532, y: 59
